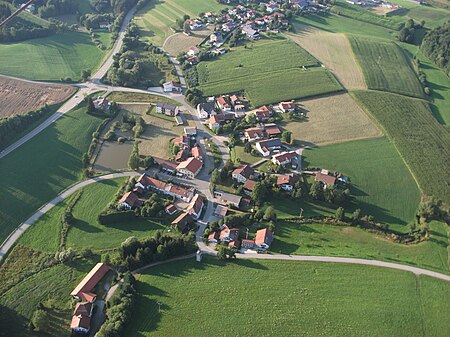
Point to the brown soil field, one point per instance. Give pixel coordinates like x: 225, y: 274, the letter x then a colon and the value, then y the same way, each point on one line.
x: 18, y: 97
x: 179, y: 42
x: 334, y: 51
x: 332, y: 119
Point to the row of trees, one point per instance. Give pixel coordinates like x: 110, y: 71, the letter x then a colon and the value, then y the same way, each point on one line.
x: 330, y: 194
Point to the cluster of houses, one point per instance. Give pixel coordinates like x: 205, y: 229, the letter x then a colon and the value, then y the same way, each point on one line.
x: 230, y: 237
x: 190, y: 154
x: 328, y: 180
x: 373, y: 3
x: 81, y: 318
x: 145, y: 183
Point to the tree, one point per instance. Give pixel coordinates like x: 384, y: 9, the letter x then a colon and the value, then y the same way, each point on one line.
x: 148, y: 162
x: 187, y: 27
x: 286, y: 136
x: 215, y: 176
x: 133, y: 162
x: 356, y: 215
x: 316, y: 191
x: 85, y: 74
x: 248, y: 147
x: 40, y: 320
x: 270, y: 214
x: 339, y: 215
x: 91, y: 106
x: 259, y: 192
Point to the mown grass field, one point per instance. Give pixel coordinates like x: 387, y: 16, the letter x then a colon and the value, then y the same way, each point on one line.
x: 158, y: 16
x: 34, y: 173
x: 433, y: 16
x: 51, y: 58
x: 286, y: 298
x: 334, y: 51
x: 86, y: 232
x: 381, y: 184
x: 423, y: 143
x: 266, y: 73
x: 322, y: 239
x: 331, y: 119
x: 386, y: 67
x: 340, y: 24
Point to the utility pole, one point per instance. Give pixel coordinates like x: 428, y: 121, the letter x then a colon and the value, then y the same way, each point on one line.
x: 246, y: 236
x: 159, y: 307
x: 301, y: 212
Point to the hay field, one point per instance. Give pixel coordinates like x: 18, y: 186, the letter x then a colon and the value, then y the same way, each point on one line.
x: 18, y: 97
x: 334, y: 51
x: 179, y: 42
x: 332, y: 119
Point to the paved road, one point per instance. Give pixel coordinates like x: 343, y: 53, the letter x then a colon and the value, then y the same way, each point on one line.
x: 44, y: 209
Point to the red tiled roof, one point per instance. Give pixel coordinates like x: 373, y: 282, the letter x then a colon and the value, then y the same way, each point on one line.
x: 197, y: 152
x: 83, y: 308
x: 214, y: 235
x: 192, y: 165
x: 196, y: 204
x: 244, y: 170
x: 284, y: 156
x: 166, y: 163
x: 287, y: 105
x: 130, y: 198
x: 287, y: 179
x: 249, y: 184
x: 178, y: 190
x: 221, y: 100
x: 91, y: 279
x: 80, y: 321
x: 325, y: 178
x: 261, y: 236
x: 147, y: 181
x: 171, y: 209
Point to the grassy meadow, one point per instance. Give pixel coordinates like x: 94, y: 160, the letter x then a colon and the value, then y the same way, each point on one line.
x: 386, y: 67
x: 423, y: 143
x: 322, y: 239
x: 311, y: 299
x: 86, y: 232
x: 158, y: 16
x: 266, y: 71
x: 34, y: 173
x: 50, y: 58
x: 380, y: 182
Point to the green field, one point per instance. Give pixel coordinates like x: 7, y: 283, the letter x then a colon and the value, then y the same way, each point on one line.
x: 338, y: 24
x: 286, y: 298
x: 379, y: 180
x: 86, y: 232
x: 433, y: 16
x: 51, y: 58
x: 158, y: 16
x: 423, y: 143
x: 322, y: 239
x: 267, y: 72
x: 356, y: 12
x: 386, y: 67
x: 34, y: 173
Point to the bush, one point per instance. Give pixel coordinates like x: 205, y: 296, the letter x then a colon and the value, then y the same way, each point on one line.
x: 114, y: 217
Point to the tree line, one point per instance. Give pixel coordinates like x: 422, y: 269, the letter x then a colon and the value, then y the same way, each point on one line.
x: 436, y: 46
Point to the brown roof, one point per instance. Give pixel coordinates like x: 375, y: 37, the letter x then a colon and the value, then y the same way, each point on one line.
x: 196, y: 204
x: 221, y: 100
x: 83, y: 308
x: 178, y: 190
x: 248, y: 243
x: 284, y: 156
x: 129, y: 198
x: 171, y: 209
x: 325, y: 178
x: 192, y: 165
x: 221, y: 210
x: 214, y: 235
x: 272, y: 129
x: 234, y: 243
x: 287, y: 179
x: 148, y: 181
x: 249, y: 184
x: 80, y: 321
x: 252, y: 132
x: 262, y: 235
x: 182, y: 221
x: 166, y: 163
x: 87, y: 296
x: 244, y: 170
x: 197, y: 152
x: 91, y: 279
x: 287, y: 105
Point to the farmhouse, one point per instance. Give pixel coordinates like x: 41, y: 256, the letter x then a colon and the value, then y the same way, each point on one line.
x: 167, y: 109
x: 325, y: 179
x: 223, y: 104
x: 183, y: 221
x: 205, y: 110
x: 216, y: 121
x: 172, y: 87
x: 284, y: 158
x: 263, y: 239
x: 81, y: 318
x: 254, y: 134
x: 193, y: 51
x: 190, y: 167
x: 102, y: 103
x: 248, y: 244
x: 196, y: 206
x: 272, y: 130
x: 249, y: 186
x: 262, y: 115
x: 227, y: 234
x: 221, y: 211
x: 214, y: 237
x: 266, y: 147
x: 197, y: 152
x: 250, y: 33
x: 83, y: 291
x: 287, y: 182
x: 242, y: 173
x: 146, y: 182
x: 166, y: 165
x: 228, y: 199
x: 178, y: 192
x: 287, y: 107
x: 129, y: 200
